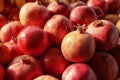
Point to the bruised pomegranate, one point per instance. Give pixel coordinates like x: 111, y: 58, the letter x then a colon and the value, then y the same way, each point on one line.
x: 57, y: 27
x: 82, y: 15
x: 59, y: 7
x: 32, y: 40
x: 78, y: 46
x: 10, y: 30
x: 23, y: 67
x: 46, y: 77
x: 33, y: 13
x: 53, y: 56
x: 2, y: 72
x: 105, y: 34
x: 79, y: 71
x: 104, y: 66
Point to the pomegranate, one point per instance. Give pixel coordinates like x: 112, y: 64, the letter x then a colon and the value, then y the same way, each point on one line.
x: 57, y: 27
x: 114, y: 5
x: 105, y: 34
x: 99, y: 3
x: 23, y: 67
x: 2, y: 72
x: 32, y: 40
x: 78, y: 46
x: 82, y: 15
x: 59, y: 7
x: 3, y: 20
x: 5, y: 55
x: 13, y: 48
x: 104, y: 66
x: 53, y: 56
x: 99, y: 12
x: 115, y: 52
x: 79, y: 71
x: 10, y: 30
x: 33, y: 13
x: 46, y: 77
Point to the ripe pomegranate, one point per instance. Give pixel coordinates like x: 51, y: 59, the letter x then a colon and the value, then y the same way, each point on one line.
x: 99, y: 3
x: 82, y: 15
x: 46, y: 77
x: 115, y: 52
x: 79, y: 71
x: 57, y: 27
x: 23, y: 67
x: 10, y: 30
x: 32, y: 40
x: 13, y: 48
x: 105, y: 34
x: 114, y: 5
x: 33, y: 13
x: 3, y: 20
x: 53, y: 56
x: 2, y: 72
x: 59, y: 7
x: 78, y: 46
x: 5, y: 55
x: 99, y: 12
x: 104, y: 66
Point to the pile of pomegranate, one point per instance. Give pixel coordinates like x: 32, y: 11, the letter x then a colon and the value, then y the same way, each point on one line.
x: 59, y: 39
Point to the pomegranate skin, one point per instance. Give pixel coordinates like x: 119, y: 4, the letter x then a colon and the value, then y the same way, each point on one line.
x: 79, y: 71
x: 82, y: 15
x: 104, y: 66
x: 105, y: 34
x: 24, y: 67
x: 78, y: 46
x: 32, y: 40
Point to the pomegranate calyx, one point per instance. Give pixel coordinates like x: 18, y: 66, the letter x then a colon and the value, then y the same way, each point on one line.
x: 38, y: 2
x: 104, y: 57
x: 98, y: 23
x: 80, y: 28
x: 26, y: 60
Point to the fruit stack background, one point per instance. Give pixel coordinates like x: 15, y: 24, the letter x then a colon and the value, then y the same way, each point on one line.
x: 59, y: 39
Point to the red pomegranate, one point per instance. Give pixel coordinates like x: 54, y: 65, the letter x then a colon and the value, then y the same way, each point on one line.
x: 23, y: 67
x: 105, y: 34
x: 104, y: 66
x: 57, y: 27
x: 59, y: 7
x: 10, y: 30
x: 32, y: 40
x: 79, y: 71
x: 53, y: 56
x: 114, y: 5
x: 99, y: 3
x: 78, y: 46
x: 82, y: 15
